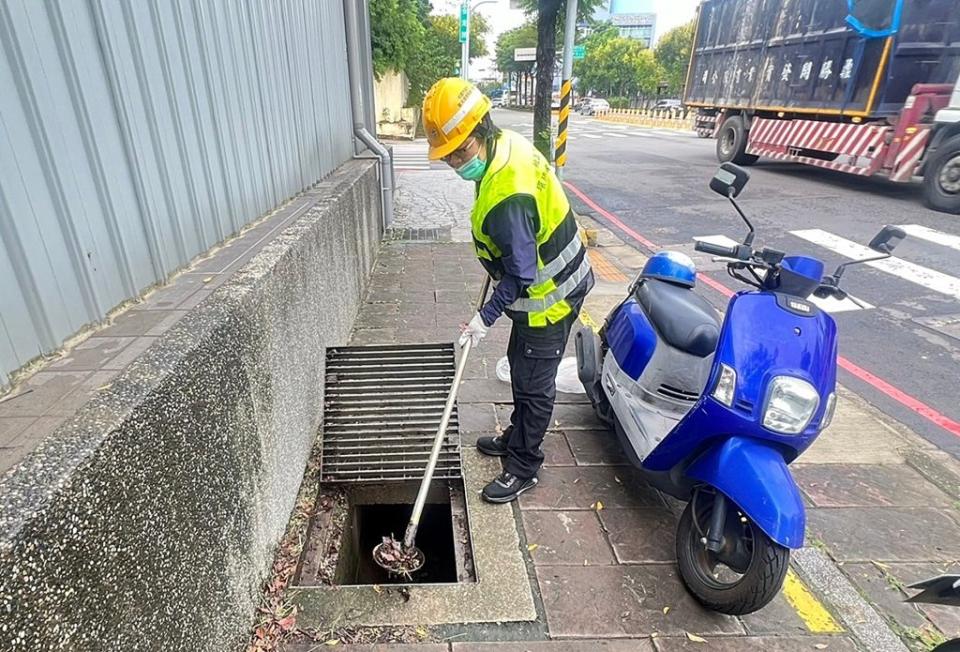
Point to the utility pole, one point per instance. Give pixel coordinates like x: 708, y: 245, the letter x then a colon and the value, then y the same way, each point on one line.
x: 569, y: 34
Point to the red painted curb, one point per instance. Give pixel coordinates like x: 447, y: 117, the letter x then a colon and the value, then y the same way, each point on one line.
x: 901, y: 397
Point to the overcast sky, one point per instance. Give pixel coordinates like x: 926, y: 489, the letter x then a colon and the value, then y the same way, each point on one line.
x: 670, y: 13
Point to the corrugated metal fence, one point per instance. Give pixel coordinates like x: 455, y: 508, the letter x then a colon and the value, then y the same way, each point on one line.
x: 135, y: 135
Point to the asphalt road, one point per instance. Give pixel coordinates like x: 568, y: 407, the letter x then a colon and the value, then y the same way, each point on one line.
x: 656, y: 183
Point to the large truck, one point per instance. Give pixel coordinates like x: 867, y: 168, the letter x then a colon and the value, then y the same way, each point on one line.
x: 865, y: 87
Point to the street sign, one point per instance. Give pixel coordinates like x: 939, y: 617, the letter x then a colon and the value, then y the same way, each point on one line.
x: 579, y: 51
x: 463, y: 22
x: 525, y: 54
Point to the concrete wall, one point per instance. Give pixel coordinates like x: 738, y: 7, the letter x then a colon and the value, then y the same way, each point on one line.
x: 149, y: 520
x: 138, y: 134
x: 394, y: 118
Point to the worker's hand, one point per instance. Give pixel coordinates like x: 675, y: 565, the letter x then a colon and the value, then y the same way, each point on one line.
x: 475, y: 331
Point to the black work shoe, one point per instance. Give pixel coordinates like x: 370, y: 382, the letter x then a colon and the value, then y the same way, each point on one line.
x: 494, y: 446
x: 507, y: 487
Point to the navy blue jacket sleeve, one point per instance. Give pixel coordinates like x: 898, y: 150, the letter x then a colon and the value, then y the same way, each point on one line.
x: 511, y: 227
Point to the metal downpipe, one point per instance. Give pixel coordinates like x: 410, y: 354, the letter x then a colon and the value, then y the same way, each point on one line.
x: 359, y: 92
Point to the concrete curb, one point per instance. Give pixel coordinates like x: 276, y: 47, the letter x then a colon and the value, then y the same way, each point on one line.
x: 861, y: 620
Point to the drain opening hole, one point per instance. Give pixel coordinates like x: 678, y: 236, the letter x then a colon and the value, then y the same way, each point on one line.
x: 368, y: 524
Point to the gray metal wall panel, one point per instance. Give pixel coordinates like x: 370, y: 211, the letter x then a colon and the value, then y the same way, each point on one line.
x: 136, y: 135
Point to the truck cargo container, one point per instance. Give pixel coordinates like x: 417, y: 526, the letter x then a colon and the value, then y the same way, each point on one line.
x: 862, y: 87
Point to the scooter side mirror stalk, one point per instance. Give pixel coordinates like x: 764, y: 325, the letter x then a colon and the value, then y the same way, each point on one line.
x: 749, y: 239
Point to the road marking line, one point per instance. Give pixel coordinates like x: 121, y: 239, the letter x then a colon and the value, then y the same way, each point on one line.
x: 590, y: 136
x: 923, y: 276
x: 811, y: 611
x: 882, y: 386
x: 932, y: 235
x: 721, y: 240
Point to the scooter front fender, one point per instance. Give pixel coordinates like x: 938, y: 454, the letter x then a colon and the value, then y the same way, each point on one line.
x: 754, y: 476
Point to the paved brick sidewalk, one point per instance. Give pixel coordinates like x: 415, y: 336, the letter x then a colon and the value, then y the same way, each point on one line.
x: 883, y: 504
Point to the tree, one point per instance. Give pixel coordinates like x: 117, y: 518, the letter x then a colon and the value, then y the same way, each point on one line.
x: 396, y: 33
x: 618, y: 66
x: 405, y: 37
x: 549, y: 20
x: 524, y: 36
x: 673, y: 55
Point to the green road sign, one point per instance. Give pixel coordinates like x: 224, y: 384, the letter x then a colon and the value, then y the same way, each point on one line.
x: 579, y: 51
x: 463, y: 23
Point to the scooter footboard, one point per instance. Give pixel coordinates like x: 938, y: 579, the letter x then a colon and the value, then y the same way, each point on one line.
x: 756, y: 478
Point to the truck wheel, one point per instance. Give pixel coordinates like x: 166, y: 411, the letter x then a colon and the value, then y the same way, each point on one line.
x: 732, y: 142
x: 941, y: 178
x: 743, y: 576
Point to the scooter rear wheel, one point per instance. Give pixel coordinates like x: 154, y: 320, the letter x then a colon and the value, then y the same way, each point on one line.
x: 744, y: 576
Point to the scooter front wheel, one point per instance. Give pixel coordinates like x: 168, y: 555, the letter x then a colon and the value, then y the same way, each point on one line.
x: 744, y: 575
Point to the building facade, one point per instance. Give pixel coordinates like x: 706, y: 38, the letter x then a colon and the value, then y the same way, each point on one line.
x: 634, y: 18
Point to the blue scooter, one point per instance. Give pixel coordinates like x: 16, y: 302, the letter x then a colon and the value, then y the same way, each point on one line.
x: 712, y: 413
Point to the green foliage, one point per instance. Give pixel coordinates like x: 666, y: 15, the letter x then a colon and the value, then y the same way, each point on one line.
x: 524, y: 36
x: 673, y: 55
x: 396, y: 32
x: 618, y: 66
x: 426, y: 47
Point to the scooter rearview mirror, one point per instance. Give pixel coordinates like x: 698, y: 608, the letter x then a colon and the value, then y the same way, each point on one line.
x: 729, y: 180
x: 887, y: 240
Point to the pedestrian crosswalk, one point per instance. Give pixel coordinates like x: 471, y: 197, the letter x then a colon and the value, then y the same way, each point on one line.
x: 411, y: 156
x: 930, y: 280
x: 933, y: 277
x: 828, y: 304
x: 926, y: 277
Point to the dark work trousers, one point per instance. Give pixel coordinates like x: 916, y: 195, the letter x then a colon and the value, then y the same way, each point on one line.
x: 534, y: 355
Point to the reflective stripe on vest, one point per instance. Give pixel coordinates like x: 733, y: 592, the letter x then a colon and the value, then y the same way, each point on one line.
x: 562, y: 292
x: 564, y: 258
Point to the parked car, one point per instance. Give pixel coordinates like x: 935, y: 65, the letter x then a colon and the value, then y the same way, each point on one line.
x: 668, y: 104
x: 595, y: 106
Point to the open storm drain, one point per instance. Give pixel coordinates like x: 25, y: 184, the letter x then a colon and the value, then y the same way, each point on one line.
x: 382, y: 408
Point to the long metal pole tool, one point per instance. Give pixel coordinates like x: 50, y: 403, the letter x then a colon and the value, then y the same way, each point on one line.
x: 412, y: 554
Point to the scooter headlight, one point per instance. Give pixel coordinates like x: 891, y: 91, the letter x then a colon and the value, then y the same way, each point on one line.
x: 828, y: 411
x: 726, y: 385
x: 790, y: 405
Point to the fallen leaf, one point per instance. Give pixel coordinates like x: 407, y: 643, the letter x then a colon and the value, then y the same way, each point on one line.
x: 207, y: 279
x: 597, y: 505
x: 821, y: 646
x: 103, y: 387
x: 619, y: 481
x: 695, y: 638
x: 576, y: 480
x: 533, y: 546
x: 666, y: 610
x: 288, y: 623
x: 421, y: 632
x: 377, y: 588
x: 332, y: 641
x: 556, y: 423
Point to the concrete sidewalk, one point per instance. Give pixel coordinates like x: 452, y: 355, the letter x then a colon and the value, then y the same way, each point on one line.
x: 884, y: 505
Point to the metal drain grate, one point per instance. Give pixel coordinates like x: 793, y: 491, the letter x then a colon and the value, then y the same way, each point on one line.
x: 382, y: 409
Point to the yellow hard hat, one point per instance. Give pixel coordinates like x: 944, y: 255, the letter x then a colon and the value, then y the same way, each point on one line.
x: 452, y: 108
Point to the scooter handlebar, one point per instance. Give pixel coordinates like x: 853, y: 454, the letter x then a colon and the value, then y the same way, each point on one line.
x: 715, y: 249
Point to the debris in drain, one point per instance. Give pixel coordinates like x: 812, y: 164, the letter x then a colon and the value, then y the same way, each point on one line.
x: 393, y: 557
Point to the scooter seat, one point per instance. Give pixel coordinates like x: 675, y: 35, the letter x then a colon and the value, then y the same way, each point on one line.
x: 683, y: 318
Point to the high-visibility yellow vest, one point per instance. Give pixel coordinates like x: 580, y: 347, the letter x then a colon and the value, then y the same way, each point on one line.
x: 517, y: 168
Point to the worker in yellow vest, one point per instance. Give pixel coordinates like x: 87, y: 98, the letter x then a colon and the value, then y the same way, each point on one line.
x: 525, y: 236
